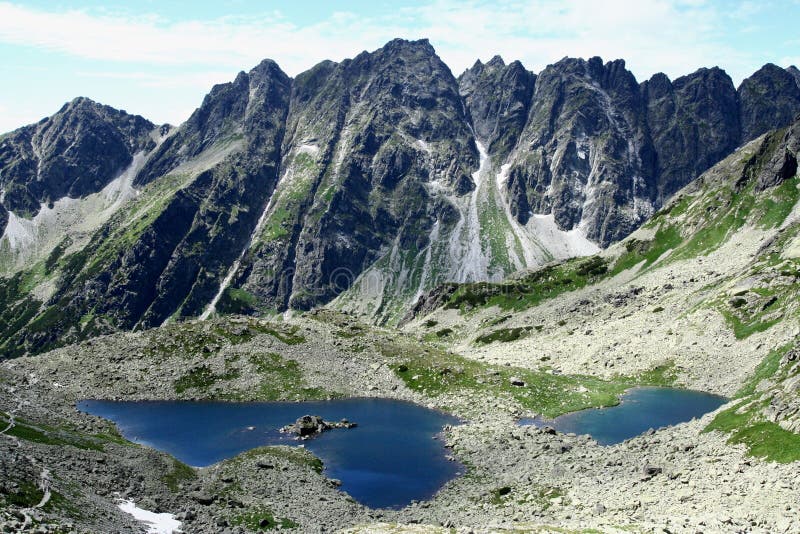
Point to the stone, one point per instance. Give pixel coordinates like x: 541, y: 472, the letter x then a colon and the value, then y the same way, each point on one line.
x: 649, y: 471
x: 201, y: 497
x: 309, y: 426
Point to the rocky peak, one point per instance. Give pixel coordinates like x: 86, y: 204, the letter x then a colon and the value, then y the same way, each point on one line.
x: 658, y: 86
x: 768, y: 99
x: 795, y: 72
x: 228, y: 118
x: 498, y: 98
x: 496, y: 62
x: 74, y: 153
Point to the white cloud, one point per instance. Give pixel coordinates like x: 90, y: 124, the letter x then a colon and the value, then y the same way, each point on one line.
x: 654, y: 35
x: 673, y: 36
x: 228, y: 41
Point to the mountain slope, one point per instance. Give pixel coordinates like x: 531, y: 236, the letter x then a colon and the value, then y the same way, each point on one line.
x: 363, y: 184
x: 708, y: 287
x: 66, y: 174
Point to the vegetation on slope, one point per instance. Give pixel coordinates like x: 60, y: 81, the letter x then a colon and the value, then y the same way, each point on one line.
x: 766, y: 404
x: 435, y: 372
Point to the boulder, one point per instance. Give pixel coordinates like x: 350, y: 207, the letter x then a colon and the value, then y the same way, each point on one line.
x: 310, y: 426
x: 201, y: 497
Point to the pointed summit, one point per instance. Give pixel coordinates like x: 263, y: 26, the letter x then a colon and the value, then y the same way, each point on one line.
x: 768, y: 99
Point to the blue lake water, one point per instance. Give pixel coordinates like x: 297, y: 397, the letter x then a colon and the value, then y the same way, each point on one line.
x: 640, y: 410
x: 388, y: 460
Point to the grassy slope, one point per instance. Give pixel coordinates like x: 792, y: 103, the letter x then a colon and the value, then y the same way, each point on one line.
x: 701, y: 219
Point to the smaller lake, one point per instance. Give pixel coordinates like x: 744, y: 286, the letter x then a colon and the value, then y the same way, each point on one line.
x: 388, y: 460
x: 640, y: 410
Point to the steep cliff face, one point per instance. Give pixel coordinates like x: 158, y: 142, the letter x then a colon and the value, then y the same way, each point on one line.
x: 365, y: 140
x: 768, y: 99
x: 591, y: 147
x: 498, y: 97
x: 795, y: 72
x: 693, y: 123
x: 579, y: 157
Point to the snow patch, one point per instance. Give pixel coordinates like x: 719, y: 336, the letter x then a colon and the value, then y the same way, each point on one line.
x: 20, y: 232
x: 156, y: 523
x: 28, y: 240
x: 424, y: 146
x: 541, y: 236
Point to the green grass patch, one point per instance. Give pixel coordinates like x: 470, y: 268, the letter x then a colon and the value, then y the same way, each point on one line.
x: 202, y: 338
x: 434, y: 372
x: 49, y: 435
x: 179, y: 474
x: 282, y: 379
x: 546, y: 283
x: 261, y: 520
x: 778, y: 206
x: 503, y: 335
x: 202, y: 378
x: 28, y: 495
x: 666, y: 238
x: 763, y: 439
x: 294, y: 455
x: 746, y: 327
x: 766, y: 369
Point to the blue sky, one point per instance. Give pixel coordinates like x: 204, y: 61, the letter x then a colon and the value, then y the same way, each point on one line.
x: 159, y: 58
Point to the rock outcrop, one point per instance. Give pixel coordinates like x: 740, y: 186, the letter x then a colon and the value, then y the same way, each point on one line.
x: 311, y: 426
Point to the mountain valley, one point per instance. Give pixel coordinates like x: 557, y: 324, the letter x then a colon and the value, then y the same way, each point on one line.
x: 497, y: 245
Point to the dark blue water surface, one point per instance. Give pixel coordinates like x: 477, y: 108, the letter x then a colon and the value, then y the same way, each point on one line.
x: 640, y: 410
x: 388, y: 460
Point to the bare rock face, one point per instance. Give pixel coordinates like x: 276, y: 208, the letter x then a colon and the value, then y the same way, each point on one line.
x: 768, y: 99
x: 498, y: 97
x: 590, y: 145
x: 76, y: 152
x: 693, y: 124
x: 364, y: 137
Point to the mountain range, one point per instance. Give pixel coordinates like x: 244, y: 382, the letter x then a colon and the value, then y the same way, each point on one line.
x: 503, y: 246
x: 363, y: 185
